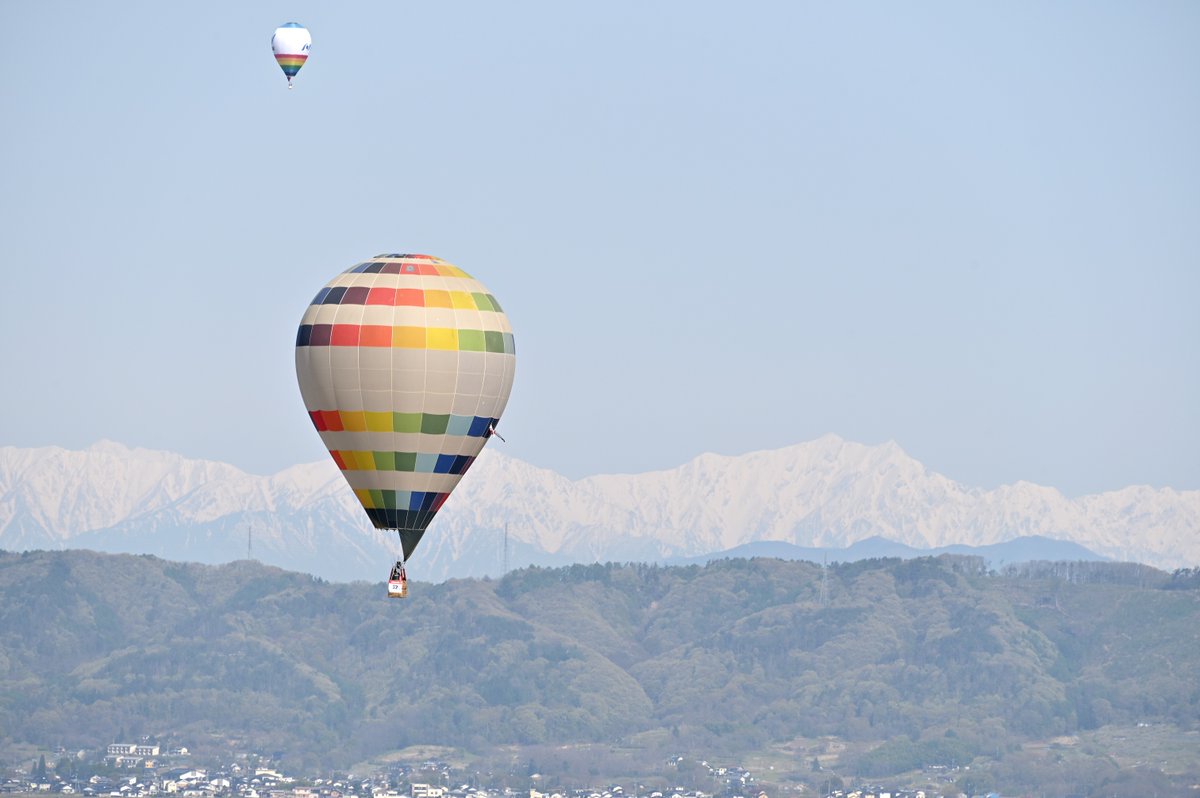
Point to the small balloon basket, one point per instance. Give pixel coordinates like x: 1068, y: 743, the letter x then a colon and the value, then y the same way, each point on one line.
x: 397, y: 583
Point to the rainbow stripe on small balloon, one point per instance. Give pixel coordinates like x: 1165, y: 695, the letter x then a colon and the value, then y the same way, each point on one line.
x: 290, y: 64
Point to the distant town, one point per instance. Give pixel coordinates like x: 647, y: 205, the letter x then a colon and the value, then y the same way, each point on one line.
x: 140, y: 769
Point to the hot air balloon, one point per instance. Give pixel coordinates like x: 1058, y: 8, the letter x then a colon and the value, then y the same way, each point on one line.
x: 405, y: 364
x: 291, y: 44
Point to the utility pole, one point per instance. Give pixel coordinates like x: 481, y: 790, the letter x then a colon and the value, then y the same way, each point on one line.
x: 506, y: 548
x: 250, y: 542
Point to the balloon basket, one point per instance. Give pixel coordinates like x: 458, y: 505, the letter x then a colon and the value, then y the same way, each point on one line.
x: 397, y: 581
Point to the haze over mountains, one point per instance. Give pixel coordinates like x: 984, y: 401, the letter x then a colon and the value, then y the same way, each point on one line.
x: 828, y: 494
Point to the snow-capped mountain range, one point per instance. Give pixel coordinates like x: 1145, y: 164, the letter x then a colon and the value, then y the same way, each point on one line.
x: 829, y: 493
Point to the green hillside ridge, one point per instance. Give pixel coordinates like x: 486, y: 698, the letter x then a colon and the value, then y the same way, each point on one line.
x: 735, y: 656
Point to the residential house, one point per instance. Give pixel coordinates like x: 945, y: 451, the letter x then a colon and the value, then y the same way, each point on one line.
x: 426, y: 791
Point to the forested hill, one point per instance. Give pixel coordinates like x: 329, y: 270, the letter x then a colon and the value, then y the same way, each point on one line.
x: 734, y: 654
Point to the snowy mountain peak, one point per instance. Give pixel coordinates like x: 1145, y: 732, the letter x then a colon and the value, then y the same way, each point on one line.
x: 824, y: 493
x: 105, y: 446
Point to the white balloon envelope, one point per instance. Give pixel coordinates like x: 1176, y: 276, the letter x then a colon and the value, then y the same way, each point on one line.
x: 291, y: 44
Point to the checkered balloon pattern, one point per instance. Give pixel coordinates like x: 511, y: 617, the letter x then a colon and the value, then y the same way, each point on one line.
x: 405, y: 364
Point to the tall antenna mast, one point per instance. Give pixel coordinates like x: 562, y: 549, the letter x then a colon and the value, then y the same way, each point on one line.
x: 506, y: 548
x: 825, y: 580
x: 250, y: 541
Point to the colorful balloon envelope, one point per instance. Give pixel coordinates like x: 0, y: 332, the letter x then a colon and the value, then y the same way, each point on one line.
x: 291, y: 44
x: 405, y: 364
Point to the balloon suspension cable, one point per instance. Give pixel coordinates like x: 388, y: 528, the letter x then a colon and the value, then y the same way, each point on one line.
x: 492, y: 431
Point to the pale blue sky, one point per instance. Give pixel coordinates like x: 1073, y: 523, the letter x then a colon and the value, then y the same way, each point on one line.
x: 971, y: 228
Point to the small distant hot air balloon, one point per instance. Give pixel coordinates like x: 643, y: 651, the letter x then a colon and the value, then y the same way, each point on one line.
x: 405, y: 364
x: 291, y: 44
